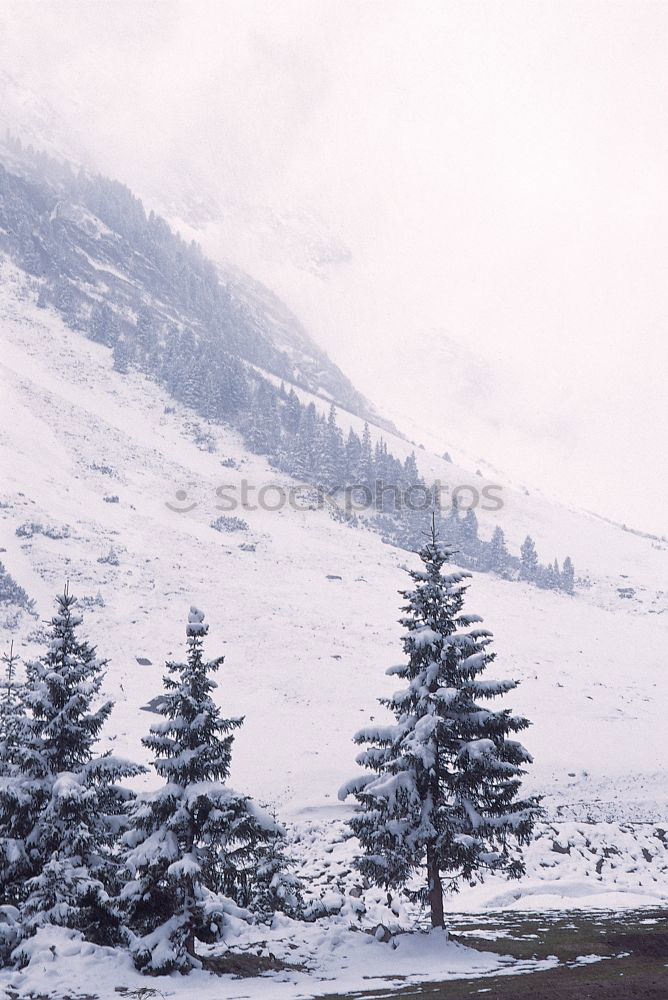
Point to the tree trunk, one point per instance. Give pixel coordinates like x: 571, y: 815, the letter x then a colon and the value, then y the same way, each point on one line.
x: 188, y: 904
x: 190, y: 944
x: 435, y: 889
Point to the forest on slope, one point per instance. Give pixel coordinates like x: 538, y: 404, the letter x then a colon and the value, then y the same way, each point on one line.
x: 125, y: 280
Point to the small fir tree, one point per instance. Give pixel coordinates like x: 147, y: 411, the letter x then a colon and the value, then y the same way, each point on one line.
x: 190, y: 852
x: 12, y: 713
x: 442, y: 796
x: 365, y: 470
x: 568, y: 576
x: 497, y: 557
x: 528, y: 559
x: 61, y: 808
x: 276, y: 888
x: 332, y: 459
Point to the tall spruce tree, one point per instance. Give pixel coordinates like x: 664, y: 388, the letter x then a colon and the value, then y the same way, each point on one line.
x: 365, y: 469
x: 568, y: 576
x: 191, y: 850
x: 496, y: 554
x: 442, y: 797
x: 61, y: 808
x: 468, y: 535
x: 12, y: 713
x: 528, y: 559
x: 332, y: 458
x: 353, y: 453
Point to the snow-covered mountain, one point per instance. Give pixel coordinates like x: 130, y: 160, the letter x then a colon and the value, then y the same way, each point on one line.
x: 111, y: 484
x: 100, y: 237
x: 115, y: 433
x: 304, y: 606
x: 363, y: 247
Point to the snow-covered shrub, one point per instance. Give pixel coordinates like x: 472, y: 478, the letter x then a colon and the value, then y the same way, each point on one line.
x: 342, y: 516
x: 10, y: 621
x: 92, y: 602
x: 30, y: 528
x: 224, y: 523
x: 276, y: 889
x: 105, y: 470
x: 12, y: 593
x: 111, y: 558
x: 10, y: 932
x: 202, y: 438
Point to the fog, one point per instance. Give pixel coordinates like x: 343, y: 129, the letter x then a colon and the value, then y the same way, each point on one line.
x: 464, y: 202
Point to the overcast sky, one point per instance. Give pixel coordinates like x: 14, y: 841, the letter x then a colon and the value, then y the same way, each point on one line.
x: 496, y: 170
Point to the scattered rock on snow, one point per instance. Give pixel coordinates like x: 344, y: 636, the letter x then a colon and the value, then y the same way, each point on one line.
x: 154, y: 704
x: 382, y: 933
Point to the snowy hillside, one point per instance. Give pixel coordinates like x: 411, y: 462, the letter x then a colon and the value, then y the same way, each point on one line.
x: 105, y: 487
x: 333, y: 557
x: 76, y: 435
x: 93, y: 242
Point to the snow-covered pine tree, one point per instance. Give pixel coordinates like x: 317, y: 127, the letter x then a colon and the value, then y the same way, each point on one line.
x: 236, y: 387
x: 414, y: 501
x: 496, y: 553
x: 303, y: 459
x: 548, y: 577
x: 452, y: 523
x: 192, y: 845
x: 568, y: 576
x: 12, y: 593
x: 12, y: 713
x: 61, y: 808
x: 442, y: 795
x: 528, y: 559
x: 353, y: 453
x: 102, y: 325
x: 468, y: 535
x: 275, y: 886
x: 331, y: 470
x: 122, y: 354
x: 291, y: 412
x: 365, y: 469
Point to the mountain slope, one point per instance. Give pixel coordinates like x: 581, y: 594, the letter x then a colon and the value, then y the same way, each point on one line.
x: 298, y: 638
x: 91, y: 240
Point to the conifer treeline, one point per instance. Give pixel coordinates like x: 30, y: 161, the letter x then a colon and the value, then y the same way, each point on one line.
x: 79, y: 850
x: 91, y: 240
x: 300, y: 440
x: 178, y: 324
x: 160, y: 871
